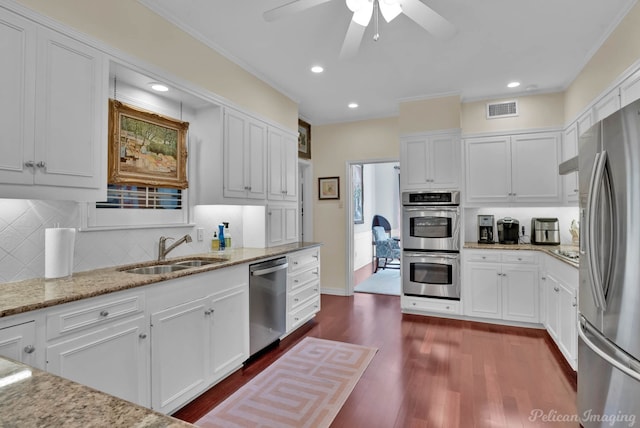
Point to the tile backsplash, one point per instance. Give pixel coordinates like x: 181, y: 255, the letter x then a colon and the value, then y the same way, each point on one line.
x: 23, y: 222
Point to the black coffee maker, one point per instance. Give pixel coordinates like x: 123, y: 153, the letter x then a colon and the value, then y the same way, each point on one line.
x: 508, y: 230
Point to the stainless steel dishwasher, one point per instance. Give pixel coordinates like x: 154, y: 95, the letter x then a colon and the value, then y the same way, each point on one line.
x: 267, y: 303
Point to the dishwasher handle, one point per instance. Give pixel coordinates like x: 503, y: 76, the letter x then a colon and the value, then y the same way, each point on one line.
x: 266, y: 271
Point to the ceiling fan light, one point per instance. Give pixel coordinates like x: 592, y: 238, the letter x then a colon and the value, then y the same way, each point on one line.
x: 355, y: 5
x: 389, y: 10
x: 363, y: 15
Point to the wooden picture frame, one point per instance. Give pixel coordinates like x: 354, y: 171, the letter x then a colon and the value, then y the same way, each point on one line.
x: 358, y: 194
x: 304, y: 139
x: 328, y: 188
x: 145, y: 148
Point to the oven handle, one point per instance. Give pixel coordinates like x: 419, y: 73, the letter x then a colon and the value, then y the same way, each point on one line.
x: 431, y: 208
x: 432, y: 255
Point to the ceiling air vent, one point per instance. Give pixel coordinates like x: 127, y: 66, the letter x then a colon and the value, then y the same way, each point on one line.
x: 502, y: 109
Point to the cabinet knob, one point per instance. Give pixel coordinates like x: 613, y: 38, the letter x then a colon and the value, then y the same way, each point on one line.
x: 544, y: 278
x: 295, y: 263
x: 315, y: 256
x: 519, y: 259
x: 104, y: 313
x: 448, y: 307
x: 296, y: 300
x: 209, y: 311
x: 30, y: 164
x: 29, y: 349
x: 576, y: 190
x: 556, y: 289
x: 296, y: 281
x: 574, y: 304
x: 142, y: 335
x: 484, y: 257
x: 41, y: 164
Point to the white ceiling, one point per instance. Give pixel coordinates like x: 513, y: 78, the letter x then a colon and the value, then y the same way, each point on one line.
x: 541, y: 43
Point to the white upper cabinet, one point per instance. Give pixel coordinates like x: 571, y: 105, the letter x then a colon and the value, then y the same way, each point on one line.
x: 519, y: 169
x: 282, y: 166
x: 569, y: 150
x: 53, y: 112
x: 244, y: 156
x: 430, y: 161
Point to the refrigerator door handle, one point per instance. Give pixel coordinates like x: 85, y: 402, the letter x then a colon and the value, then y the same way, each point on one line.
x: 597, y: 177
x: 620, y: 359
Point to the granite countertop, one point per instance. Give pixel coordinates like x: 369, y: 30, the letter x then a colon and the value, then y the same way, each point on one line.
x: 28, y: 295
x: 33, y: 398
x: 547, y: 249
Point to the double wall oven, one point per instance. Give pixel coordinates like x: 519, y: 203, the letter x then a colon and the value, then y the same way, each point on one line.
x: 431, y: 244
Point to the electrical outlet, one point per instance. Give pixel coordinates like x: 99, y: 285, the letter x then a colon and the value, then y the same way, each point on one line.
x: 200, y: 235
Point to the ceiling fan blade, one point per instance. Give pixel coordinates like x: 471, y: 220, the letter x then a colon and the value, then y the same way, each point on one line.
x: 352, y: 40
x: 290, y: 8
x: 428, y: 19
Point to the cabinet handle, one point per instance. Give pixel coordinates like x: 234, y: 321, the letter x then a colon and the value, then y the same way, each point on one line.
x: 30, y: 164
x: 296, y: 281
x: 447, y: 307
x: 315, y: 256
x: 297, y: 319
x: 556, y: 289
x: 574, y: 304
x: 544, y: 278
x: 576, y: 190
x: 296, y: 300
x: 29, y: 349
x: 142, y: 335
x: 315, y: 289
x: 209, y: 311
x: 295, y: 263
x: 519, y: 259
x: 104, y: 313
x: 41, y: 164
x: 484, y: 257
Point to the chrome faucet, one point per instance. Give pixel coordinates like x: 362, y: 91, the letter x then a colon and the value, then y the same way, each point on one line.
x: 162, y: 251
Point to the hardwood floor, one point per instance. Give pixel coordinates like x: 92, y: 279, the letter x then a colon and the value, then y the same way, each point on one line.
x: 428, y: 372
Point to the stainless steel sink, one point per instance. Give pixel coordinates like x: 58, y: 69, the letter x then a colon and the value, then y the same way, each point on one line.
x: 155, y: 270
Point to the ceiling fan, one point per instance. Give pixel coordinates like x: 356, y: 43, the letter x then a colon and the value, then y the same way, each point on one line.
x: 363, y: 10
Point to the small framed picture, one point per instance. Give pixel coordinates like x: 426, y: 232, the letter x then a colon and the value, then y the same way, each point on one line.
x: 329, y: 188
x: 304, y: 139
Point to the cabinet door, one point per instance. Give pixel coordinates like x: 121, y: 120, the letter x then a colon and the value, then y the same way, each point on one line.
x: 17, y: 87
x: 567, y: 322
x: 70, y: 131
x: 234, y: 152
x: 552, y: 322
x: 482, y: 290
x: 229, y: 343
x: 18, y: 343
x: 444, y: 162
x: 114, y: 360
x: 179, y: 345
x: 276, y: 168
x: 534, y: 169
x: 488, y: 177
x: 275, y: 226
x: 290, y: 224
x: 414, y: 164
x: 520, y: 293
x: 569, y: 150
x: 290, y: 154
x: 255, y: 158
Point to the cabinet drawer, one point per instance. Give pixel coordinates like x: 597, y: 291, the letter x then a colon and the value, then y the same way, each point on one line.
x: 301, y: 279
x: 302, y: 294
x: 519, y: 257
x: 483, y: 256
x: 303, y: 259
x: 304, y: 312
x: 96, y: 312
x: 431, y: 305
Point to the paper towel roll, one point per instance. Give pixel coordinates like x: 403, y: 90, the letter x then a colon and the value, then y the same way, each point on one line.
x: 59, y: 244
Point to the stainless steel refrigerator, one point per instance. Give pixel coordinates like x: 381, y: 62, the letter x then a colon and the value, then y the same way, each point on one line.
x: 609, y: 293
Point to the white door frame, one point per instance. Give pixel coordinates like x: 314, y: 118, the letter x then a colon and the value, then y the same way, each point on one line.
x: 349, y: 216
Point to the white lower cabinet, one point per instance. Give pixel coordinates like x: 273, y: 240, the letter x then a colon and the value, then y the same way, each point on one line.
x: 18, y: 342
x: 501, y: 285
x: 425, y: 305
x: 560, y: 288
x: 303, y: 287
x: 113, y: 359
x: 282, y: 224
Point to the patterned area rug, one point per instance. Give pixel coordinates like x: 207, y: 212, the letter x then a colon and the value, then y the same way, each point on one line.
x: 306, y: 387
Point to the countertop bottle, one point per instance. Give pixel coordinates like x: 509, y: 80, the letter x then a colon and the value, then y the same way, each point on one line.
x: 221, y: 236
x: 215, y: 243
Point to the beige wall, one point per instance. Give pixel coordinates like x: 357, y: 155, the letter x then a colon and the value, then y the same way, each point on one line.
x: 535, y: 111
x: 332, y: 147
x: 134, y: 29
x: 617, y: 54
x: 429, y: 115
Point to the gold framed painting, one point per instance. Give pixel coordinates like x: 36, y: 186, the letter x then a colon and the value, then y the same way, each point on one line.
x: 329, y: 188
x: 145, y: 148
x: 304, y: 139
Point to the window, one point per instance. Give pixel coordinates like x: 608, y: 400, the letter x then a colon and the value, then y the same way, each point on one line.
x: 132, y: 197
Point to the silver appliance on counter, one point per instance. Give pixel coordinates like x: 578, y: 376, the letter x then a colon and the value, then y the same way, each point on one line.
x: 431, y: 244
x: 545, y: 231
x: 609, y: 295
x: 485, y: 229
x: 267, y: 303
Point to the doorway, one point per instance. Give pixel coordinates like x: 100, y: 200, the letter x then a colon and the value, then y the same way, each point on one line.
x: 374, y: 189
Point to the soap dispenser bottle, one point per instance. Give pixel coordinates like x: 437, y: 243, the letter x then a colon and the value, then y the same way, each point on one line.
x: 221, y: 236
x: 215, y: 243
x: 227, y: 234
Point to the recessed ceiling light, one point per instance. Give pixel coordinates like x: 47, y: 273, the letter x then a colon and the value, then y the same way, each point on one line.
x: 159, y: 87
x: 317, y: 69
x: 513, y: 85
x: 531, y: 88
x: 353, y: 105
